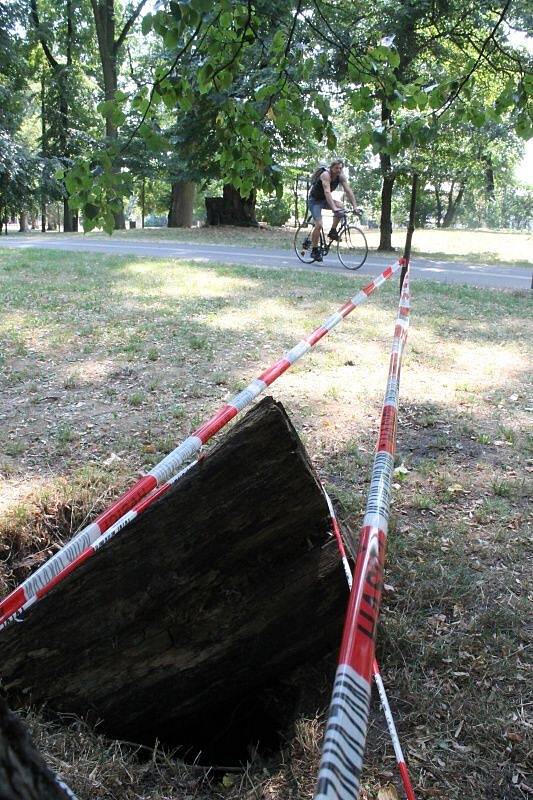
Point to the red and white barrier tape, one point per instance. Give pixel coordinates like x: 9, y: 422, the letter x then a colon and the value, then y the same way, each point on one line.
x: 398, y: 752
x: 136, y: 511
x: 68, y: 792
x: 393, y: 733
x: 117, y: 514
x: 346, y: 729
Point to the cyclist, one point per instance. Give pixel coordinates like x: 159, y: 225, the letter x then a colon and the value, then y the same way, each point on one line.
x: 324, y: 181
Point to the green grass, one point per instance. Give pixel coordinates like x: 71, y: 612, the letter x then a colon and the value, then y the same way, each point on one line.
x: 109, y: 362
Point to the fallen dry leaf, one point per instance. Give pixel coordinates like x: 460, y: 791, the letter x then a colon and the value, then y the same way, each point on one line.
x: 388, y: 792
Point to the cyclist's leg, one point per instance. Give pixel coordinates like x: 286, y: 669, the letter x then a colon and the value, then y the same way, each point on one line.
x: 337, y: 217
x: 316, y: 212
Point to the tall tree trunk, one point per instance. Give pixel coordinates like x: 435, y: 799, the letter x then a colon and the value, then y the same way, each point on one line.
x: 108, y: 48
x: 61, y: 74
x: 489, y: 179
x: 385, y: 223
x: 439, y: 206
x: 453, y: 205
x: 23, y: 222
x: 143, y: 200
x: 181, y: 204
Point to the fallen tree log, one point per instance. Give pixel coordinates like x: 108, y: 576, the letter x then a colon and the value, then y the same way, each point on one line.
x: 226, y: 584
x: 23, y: 771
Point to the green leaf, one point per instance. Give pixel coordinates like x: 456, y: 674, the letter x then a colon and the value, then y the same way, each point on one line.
x: 171, y: 38
x: 225, y: 79
x: 436, y: 98
x: 266, y: 90
x: 106, y: 107
x: 524, y: 128
x: 421, y: 100
x: 160, y: 23
x: 394, y: 58
x: 146, y: 24
x: 203, y: 6
x: 118, y: 118
x: 278, y: 42
x: 90, y: 211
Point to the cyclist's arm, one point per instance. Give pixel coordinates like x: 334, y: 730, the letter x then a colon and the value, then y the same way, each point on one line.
x: 347, y: 189
x: 327, y: 190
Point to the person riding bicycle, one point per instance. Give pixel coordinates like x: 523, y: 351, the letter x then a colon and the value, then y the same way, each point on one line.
x: 323, y: 182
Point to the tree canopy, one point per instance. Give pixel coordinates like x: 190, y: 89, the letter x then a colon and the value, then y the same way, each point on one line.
x: 235, y: 91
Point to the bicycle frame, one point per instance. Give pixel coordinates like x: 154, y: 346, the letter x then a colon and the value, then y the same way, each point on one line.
x: 324, y: 245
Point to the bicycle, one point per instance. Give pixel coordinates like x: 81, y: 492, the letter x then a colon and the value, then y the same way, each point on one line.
x: 352, y: 247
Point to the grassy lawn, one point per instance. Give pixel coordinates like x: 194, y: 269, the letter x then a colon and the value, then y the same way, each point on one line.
x: 476, y: 247
x: 107, y: 363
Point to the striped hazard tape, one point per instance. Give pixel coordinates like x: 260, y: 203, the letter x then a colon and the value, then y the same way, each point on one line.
x: 393, y: 733
x: 78, y: 549
x: 346, y: 729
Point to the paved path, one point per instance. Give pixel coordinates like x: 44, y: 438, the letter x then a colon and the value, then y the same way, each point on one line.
x: 443, y: 271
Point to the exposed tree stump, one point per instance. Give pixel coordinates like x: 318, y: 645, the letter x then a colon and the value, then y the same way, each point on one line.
x: 23, y: 772
x: 229, y: 582
x: 231, y: 208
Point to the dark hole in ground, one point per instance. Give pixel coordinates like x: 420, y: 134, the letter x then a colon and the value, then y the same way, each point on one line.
x: 232, y: 734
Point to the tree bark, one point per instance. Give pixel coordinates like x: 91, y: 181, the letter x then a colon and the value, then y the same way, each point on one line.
x: 225, y: 585
x: 109, y: 48
x: 181, y: 204
x: 231, y: 208
x: 439, y: 206
x: 23, y: 772
x: 23, y: 222
x: 61, y: 74
x: 388, y: 176
x: 385, y: 224
x: 453, y: 206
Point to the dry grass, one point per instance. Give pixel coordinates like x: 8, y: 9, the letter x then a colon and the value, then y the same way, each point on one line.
x: 109, y: 362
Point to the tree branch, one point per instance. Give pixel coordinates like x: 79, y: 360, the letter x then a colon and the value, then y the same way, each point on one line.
x: 127, y: 26
x: 481, y: 52
x: 42, y: 39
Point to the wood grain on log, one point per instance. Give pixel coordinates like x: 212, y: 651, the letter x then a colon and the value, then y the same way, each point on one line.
x: 229, y: 582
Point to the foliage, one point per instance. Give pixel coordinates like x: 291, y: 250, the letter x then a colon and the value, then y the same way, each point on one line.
x: 273, y: 209
x: 232, y: 90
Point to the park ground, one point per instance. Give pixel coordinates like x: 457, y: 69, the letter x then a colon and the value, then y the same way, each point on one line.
x: 109, y: 362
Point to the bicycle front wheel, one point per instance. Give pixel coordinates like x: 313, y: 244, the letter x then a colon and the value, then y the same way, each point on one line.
x: 302, y: 243
x: 352, y: 247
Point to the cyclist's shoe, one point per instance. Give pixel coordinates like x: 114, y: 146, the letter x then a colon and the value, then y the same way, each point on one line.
x: 306, y: 244
x: 316, y: 255
x: 333, y: 235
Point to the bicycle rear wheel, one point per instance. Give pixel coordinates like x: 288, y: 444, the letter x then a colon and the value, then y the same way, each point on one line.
x: 352, y: 247
x: 302, y: 243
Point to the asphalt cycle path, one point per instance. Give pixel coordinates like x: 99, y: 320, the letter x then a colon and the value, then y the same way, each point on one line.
x: 451, y: 272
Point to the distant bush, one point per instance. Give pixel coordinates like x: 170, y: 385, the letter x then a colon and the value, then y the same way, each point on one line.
x: 156, y: 221
x: 273, y: 210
